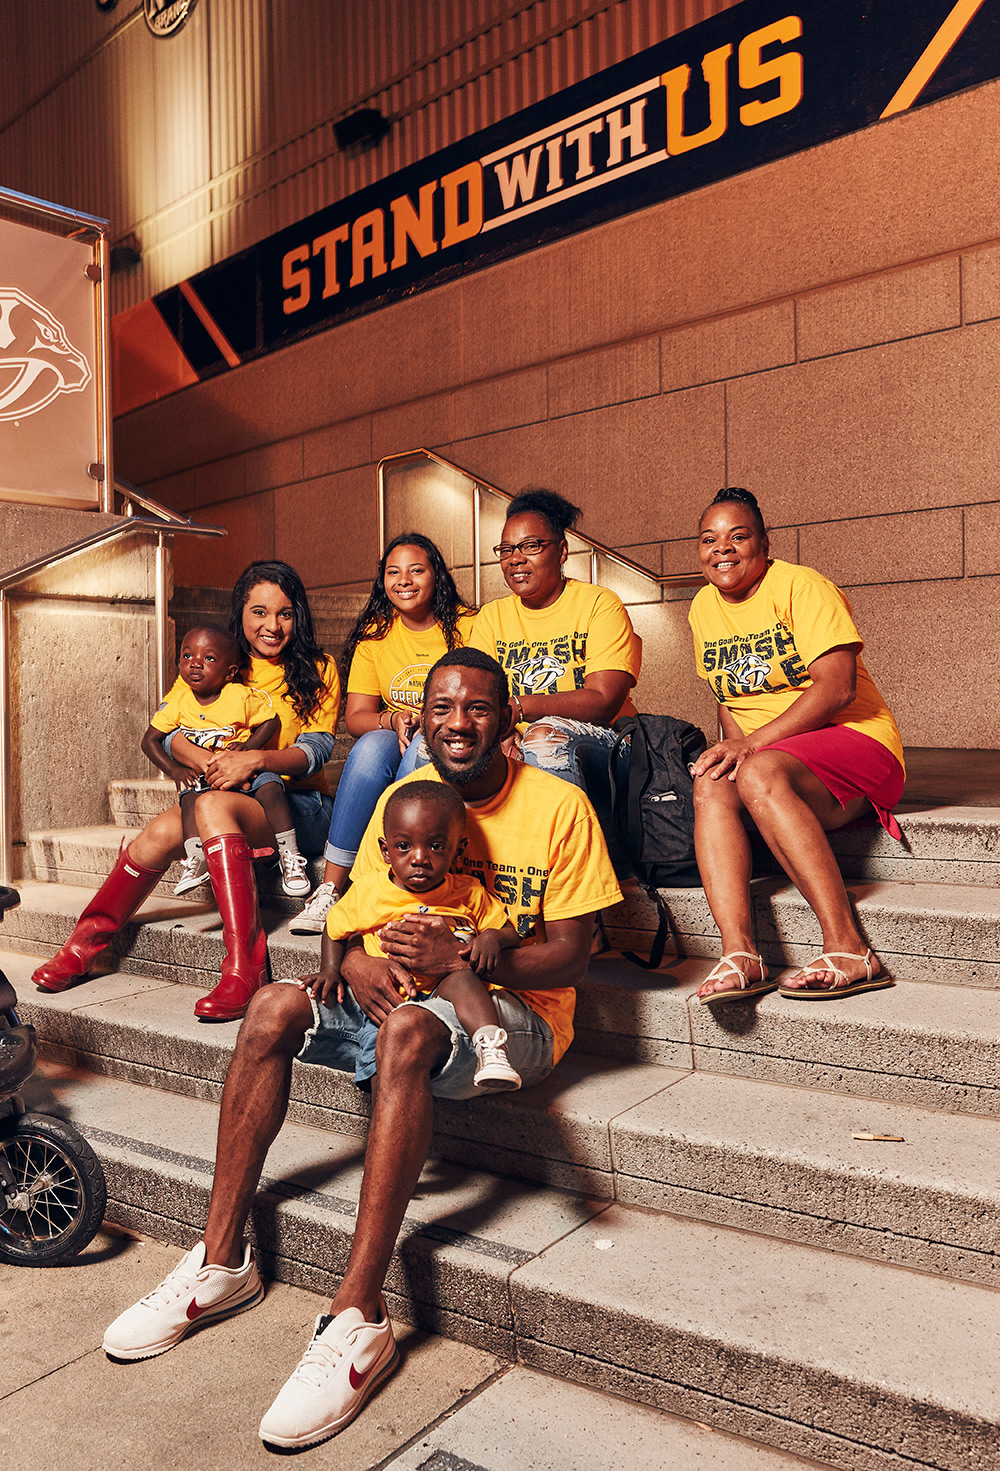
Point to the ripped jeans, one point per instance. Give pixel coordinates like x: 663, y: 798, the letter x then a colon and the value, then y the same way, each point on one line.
x: 579, y: 753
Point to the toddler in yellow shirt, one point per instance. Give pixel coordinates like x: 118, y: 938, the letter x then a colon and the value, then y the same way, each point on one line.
x: 424, y: 827
x: 208, y: 710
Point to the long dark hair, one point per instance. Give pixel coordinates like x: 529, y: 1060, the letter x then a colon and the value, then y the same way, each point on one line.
x: 378, y: 614
x: 302, y: 653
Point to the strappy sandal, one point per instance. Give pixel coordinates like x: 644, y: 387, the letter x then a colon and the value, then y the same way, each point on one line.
x: 744, y: 988
x: 842, y: 987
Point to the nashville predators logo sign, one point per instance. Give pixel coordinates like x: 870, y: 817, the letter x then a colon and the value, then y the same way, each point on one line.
x: 539, y: 676
x: 37, y: 360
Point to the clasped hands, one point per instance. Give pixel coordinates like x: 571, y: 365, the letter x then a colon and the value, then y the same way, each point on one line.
x: 421, y: 943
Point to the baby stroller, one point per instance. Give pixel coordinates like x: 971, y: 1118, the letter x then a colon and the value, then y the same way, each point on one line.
x: 52, y: 1190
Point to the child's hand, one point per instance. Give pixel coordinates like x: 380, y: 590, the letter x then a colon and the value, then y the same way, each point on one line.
x: 185, y: 780
x: 484, y: 952
x: 322, y: 987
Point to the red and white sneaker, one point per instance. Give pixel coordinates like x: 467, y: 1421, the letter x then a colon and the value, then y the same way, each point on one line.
x: 345, y: 1362
x: 194, y: 1293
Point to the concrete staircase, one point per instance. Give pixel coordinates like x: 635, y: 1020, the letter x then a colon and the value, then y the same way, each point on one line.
x: 682, y: 1213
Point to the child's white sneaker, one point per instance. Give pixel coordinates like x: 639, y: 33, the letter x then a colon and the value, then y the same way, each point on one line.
x: 494, y: 1073
x: 294, y: 879
x: 194, y: 873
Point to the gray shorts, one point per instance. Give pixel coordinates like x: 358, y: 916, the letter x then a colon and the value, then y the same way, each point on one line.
x: 343, y: 1037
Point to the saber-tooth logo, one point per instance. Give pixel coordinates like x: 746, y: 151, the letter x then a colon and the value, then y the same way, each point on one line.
x: 37, y: 359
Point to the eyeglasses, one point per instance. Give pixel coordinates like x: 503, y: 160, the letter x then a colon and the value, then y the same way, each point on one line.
x: 527, y: 548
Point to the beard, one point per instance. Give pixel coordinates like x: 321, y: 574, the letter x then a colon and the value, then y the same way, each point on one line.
x: 467, y: 775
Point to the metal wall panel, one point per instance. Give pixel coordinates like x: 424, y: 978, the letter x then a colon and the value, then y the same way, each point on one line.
x: 213, y: 138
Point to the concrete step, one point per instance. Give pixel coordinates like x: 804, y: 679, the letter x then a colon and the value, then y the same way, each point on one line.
x: 777, y: 1159
x: 927, y: 1044
x: 921, y: 931
x: 86, y: 855
x: 941, y: 845
x: 946, y: 933
x: 859, y: 1364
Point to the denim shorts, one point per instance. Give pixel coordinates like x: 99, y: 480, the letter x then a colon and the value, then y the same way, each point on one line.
x: 343, y: 1037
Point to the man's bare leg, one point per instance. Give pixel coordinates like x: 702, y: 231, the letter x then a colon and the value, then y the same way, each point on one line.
x: 254, y: 1103
x: 411, y: 1043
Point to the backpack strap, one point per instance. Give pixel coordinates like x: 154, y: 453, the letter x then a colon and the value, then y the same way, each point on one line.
x: 663, y: 933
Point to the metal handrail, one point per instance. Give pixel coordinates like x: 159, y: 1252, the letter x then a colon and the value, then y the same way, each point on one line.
x: 597, y: 548
x: 162, y: 527
x: 133, y: 496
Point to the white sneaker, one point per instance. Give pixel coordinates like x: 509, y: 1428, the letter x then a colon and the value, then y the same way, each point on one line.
x: 347, y: 1359
x: 294, y: 879
x: 194, y: 872
x: 192, y: 1294
x: 494, y: 1073
x: 312, y: 919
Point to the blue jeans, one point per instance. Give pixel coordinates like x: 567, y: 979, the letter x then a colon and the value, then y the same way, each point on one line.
x: 579, y: 753
x: 310, y: 813
x: 374, y: 763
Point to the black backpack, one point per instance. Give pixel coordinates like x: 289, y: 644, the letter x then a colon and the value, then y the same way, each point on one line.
x: 654, y: 815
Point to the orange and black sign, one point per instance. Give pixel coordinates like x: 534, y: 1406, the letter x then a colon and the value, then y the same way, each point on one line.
x: 763, y: 80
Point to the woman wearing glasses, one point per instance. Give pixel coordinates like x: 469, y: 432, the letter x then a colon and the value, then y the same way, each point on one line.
x: 569, y: 649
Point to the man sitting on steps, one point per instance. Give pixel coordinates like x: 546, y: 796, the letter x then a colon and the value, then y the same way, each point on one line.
x: 534, y: 842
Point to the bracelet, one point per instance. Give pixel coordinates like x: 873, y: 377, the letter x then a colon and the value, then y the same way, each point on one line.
x: 520, y: 708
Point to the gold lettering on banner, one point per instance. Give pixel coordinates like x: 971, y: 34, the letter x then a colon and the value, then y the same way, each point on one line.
x: 413, y: 225
x: 786, y: 70
x: 368, y: 245
x: 295, y: 278
x: 714, y: 66
x: 470, y: 180
x: 326, y: 246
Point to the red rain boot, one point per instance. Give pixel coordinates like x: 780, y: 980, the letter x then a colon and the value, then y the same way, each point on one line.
x: 245, y: 965
x: 124, y: 889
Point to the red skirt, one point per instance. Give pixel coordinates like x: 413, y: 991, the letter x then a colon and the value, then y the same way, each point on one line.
x: 850, y: 765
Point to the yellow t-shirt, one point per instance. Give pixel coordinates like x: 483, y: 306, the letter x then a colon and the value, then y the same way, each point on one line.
x: 549, y: 650
x: 395, y: 667
x: 227, y: 721
x: 268, y: 675
x: 375, y: 900
x: 537, y: 847
x: 756, y: 654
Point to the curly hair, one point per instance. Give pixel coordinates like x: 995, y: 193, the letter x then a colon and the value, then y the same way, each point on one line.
x: 378, y: 614
x: 302, y: 658
x: 740, y: 497
x: 560, y: 513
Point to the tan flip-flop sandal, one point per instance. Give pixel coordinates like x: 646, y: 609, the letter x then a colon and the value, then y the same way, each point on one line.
x: 744, y: 988
x: 867, y: 982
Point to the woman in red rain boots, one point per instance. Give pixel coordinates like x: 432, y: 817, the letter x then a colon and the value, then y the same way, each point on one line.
x: 273, y: 626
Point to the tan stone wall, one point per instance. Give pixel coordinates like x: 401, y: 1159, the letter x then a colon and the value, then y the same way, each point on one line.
x: 82, y: 669
x: 825, y: 330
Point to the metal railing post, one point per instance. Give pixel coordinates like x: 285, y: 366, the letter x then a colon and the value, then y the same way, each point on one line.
x: 476, y: 576
x: 161, y: 615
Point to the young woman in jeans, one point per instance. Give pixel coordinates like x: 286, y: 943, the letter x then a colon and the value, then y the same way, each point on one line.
x: 413, y: 616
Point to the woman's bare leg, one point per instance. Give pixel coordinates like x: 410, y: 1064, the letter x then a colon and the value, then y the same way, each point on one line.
x: 160, y: 842
x: 723, y: 851
x: 233, y: 812
x: 794, y: 811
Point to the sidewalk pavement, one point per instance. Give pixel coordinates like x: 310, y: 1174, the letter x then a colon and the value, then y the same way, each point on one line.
x: 63, y: 1403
